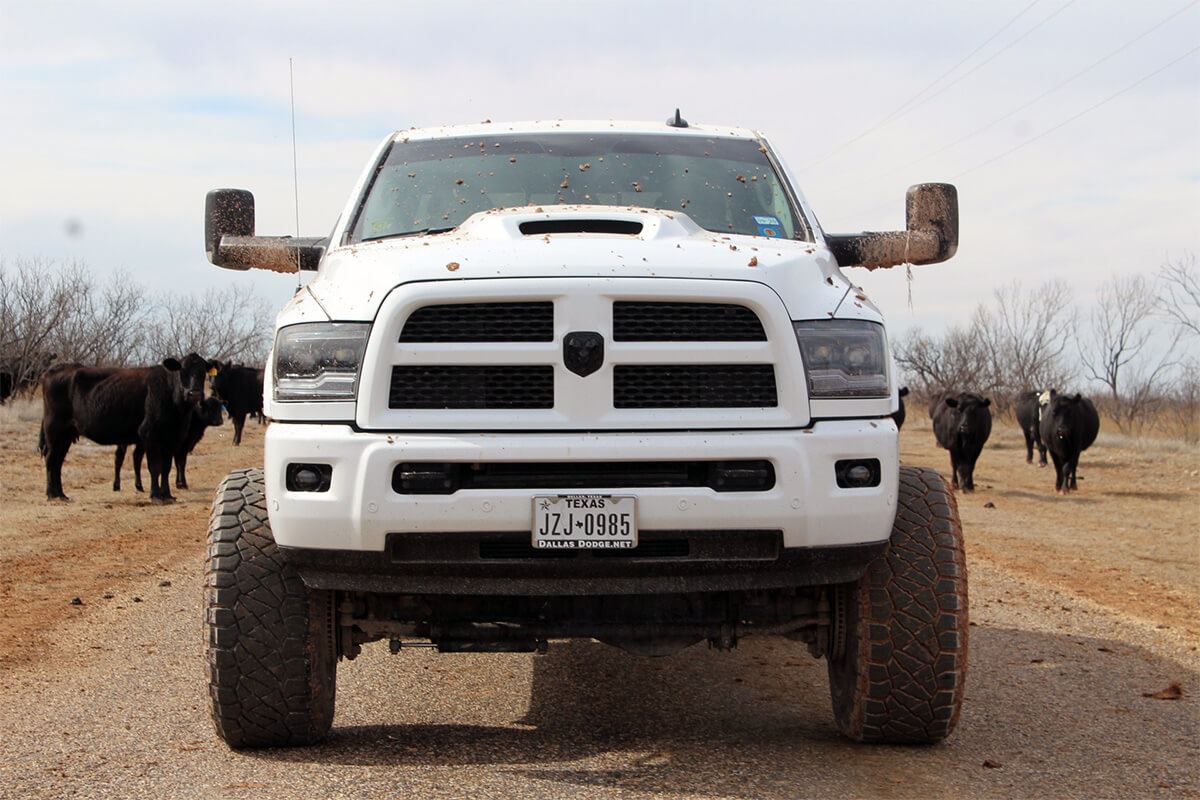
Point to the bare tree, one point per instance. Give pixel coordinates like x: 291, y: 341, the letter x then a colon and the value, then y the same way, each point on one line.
x: 36, y: 298
x: 954, y: 361
x: 1028, y: 335
x: 1179, y: 298
x: 1120, y: 332
x: 104, y: 327
x: 222, y: 324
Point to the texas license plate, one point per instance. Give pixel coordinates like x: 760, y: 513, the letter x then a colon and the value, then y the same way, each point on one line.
x: 584, y: 521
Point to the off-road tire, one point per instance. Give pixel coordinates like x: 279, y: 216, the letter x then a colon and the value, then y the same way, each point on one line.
x: 271, y: 660
x: 899, y: 678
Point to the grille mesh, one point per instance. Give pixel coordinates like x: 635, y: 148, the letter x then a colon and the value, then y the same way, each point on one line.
x: 481, y: 322
x: 685, y: 322
x: 491, y: 386
x: 694, y: 386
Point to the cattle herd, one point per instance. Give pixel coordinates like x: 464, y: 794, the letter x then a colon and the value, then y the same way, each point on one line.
x: 1063, y: 424
x: 161, y: 411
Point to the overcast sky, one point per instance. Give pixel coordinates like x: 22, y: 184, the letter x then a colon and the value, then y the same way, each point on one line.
x: 1071, y: 127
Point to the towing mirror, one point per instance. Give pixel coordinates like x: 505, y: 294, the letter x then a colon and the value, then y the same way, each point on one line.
x: 229, y: 239
x: 931, y: 211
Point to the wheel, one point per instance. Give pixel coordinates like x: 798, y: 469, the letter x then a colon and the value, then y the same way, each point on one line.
x: 898, y: 667
x: 272, y: 662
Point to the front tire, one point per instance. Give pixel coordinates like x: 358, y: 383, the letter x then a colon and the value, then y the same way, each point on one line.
x: 272, y: 662
x: 899, y: 674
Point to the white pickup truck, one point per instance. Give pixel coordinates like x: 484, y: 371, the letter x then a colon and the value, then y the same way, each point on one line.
x: 582, y: 379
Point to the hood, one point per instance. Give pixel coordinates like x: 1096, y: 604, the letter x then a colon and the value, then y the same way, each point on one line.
x: 577, y: 241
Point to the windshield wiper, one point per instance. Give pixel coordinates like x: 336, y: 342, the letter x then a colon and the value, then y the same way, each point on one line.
x: 420, y: 232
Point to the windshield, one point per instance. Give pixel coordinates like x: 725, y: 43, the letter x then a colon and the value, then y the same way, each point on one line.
x: 724, y: 185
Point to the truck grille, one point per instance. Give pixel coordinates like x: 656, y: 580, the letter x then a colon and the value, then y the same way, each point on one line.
x: 491, y: 386
x: 498, y: 354
x: 481, y: 322
x: 694, y: 386
x: 685, y: 322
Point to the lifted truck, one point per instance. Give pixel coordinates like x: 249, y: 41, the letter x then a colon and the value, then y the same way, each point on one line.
x: 578, y: 379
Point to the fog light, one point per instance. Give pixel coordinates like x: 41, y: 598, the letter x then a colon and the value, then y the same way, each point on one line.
x: 309, y: 477
x: 858, y: 473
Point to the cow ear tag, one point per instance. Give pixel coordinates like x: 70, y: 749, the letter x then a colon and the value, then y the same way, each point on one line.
x: 212, y: 371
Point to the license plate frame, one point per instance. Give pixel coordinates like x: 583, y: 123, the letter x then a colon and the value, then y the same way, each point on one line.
x: 584, y: 521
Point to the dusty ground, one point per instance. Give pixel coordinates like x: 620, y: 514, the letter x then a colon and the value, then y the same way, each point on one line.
x: 1081, y: 605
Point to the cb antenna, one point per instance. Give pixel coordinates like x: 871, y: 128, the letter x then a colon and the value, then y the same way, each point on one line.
x: 295, y: 169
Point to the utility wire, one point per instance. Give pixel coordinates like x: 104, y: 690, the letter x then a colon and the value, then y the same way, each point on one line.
x: 907, y: 103
x: 1048, y: 92
x: 910, y: 103
x: 1071, y: 119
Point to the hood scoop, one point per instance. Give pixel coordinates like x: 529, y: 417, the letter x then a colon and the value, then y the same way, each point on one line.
x: 541, y: 227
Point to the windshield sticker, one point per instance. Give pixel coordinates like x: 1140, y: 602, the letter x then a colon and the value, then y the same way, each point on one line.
x: 767, y: 226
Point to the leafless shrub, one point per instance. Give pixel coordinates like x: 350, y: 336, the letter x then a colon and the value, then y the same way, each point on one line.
x: 1179, y: 296
x: 1183, y: 404
x: 221, y: 323
x: 1027, y: 336
x: 1019, y: 343
x: 953, y: 361
x: 58, y: 311
x: 36, y: 299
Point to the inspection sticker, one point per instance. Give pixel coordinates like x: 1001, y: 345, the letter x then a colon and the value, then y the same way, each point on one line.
x: 767, y: 225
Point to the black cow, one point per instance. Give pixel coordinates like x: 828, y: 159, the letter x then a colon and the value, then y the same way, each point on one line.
x: 899, y: 414
x: 1070, y: 424
x: 7, y: 383
x: 207, y: 414
x: 962, y: 423
x: 1030, y: 406
x: 116, y: 406
x: 241, y: 389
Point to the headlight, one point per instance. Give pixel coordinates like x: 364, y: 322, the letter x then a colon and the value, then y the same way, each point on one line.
x: 843, y: 358
x: 319, y: 361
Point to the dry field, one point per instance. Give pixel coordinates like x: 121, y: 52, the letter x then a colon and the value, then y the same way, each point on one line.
x: 1128, y: 539
x: 1082, y: 604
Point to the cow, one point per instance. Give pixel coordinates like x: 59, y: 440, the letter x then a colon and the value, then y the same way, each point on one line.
x: 899, y: 414
x: 206, y: 415
x: 962, y: 422
x: 7, y: 383
x: 1030, y: 406
x: 241, y: 389
x: 1070, y: 424
x: 120, y: 406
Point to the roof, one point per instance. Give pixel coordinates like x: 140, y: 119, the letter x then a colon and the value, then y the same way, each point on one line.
x: 572, y: 126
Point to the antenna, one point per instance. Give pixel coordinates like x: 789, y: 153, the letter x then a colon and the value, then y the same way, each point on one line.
x: 295, y: 169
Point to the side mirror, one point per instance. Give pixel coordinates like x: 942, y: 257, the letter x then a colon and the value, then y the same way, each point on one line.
x: 229, y: 239
x: 931, y: 210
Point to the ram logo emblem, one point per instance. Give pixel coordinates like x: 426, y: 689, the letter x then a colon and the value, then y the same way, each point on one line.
x: 583, y: 352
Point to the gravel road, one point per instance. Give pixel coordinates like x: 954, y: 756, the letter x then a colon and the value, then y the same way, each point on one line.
x: 1054, y: 708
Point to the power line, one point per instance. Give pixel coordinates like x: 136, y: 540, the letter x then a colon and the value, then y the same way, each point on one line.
x: 904, y: 106
x: 1071, y: 119
x: 994, y: 55
x: 1049, y: 91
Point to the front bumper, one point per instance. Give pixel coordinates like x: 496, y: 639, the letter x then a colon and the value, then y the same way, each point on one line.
x: 360, y: 510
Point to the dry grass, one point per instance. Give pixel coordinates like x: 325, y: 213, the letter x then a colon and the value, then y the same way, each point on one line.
x: 20, y: 410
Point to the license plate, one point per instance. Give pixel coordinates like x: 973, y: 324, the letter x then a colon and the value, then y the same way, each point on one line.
x: 584, y: 521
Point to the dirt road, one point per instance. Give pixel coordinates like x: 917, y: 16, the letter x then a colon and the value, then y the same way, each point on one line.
x: 1080, y: 606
